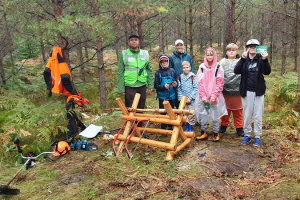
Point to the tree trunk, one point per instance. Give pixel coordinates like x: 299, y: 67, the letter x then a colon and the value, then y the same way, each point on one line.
x: 191, y: 31
x: 10, y: 42
x: 162, y: 37
x: 295, y: 30
x: 262, y: 33
x: 42, y: 41
x: 86, y: 52
x: 185, y: 29
x: 210, y: 23
x: 232, y: 20
x: 298, y: 89
x: 115, y: 27
x: 2, y: 75
x: 102, y: 79
x: 62, y: 41
x: 81, y: 60
x: 226, y: 19
x: 284, y: 39
x: 140, y: 30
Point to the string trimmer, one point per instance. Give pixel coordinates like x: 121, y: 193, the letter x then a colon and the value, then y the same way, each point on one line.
x: 5, y: 190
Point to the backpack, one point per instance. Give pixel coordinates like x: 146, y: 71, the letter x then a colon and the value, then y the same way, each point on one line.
x: 218, y: 66
x: 193, y: 77
x: 166, y: 94
x: 74, y: 123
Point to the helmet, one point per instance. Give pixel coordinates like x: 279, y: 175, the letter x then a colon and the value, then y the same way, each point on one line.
x: 252, y: 42
x: 61, y: 148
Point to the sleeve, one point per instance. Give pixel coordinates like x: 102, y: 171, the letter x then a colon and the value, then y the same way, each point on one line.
x: 150, y: 77
x: 219, y: 83
x: 201, y: 84
x: 171, y: 62
x: 195, y: 89
x: 192, y: 64
x: 120, y: 74
x: 157, y: 84
x: 179, y: 90
x: 266, y: 67
x: 238, y: 69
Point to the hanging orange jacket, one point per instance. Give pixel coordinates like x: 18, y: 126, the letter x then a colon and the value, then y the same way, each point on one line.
x: 58, y: 76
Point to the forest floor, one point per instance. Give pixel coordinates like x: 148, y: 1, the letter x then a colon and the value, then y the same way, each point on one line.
x: 207, y: 170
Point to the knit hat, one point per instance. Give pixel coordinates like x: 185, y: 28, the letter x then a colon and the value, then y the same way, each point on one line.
x: 179, y: 41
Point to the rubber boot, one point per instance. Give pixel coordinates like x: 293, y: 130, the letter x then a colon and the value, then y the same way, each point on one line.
x: 203, y: 136
x: 191, y: 128
x: 187, y: 127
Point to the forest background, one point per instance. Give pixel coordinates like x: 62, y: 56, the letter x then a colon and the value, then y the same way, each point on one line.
x: 93, y: 33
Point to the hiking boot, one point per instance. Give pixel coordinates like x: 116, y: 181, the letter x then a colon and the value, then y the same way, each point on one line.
x: 222, y: 129
x: 240, y: 132
x: 257, y: 142
x: 216, y: 137
x: 203, y: 136
x: 246, y: 140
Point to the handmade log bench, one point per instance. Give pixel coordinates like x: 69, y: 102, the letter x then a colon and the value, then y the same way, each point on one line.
x: 134, y: 133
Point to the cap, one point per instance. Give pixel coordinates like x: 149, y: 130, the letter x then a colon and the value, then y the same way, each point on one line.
x: 179, y: 41
x: 252, y: 42
x: 133, y: 35
x: 163, y: 57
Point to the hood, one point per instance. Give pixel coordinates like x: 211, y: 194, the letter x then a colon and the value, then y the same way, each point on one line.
x: 163, y: 57
x: 214, y: 63
x: 180, y: 54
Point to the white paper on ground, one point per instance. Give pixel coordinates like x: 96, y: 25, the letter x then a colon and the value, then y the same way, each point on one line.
x: 91, y: 131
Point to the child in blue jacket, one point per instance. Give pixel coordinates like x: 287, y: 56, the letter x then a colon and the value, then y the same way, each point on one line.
x: 165, y: 83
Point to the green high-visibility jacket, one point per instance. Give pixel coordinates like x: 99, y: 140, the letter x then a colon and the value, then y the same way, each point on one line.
x: 135, y: 66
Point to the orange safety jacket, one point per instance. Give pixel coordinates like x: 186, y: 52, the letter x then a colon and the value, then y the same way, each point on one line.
x: 58, y: 76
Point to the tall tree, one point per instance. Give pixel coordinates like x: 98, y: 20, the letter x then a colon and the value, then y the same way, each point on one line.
x: 284, y: 38
x: 99, y: 47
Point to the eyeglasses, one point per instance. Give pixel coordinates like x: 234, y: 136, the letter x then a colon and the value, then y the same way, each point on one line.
x: 252, y: 46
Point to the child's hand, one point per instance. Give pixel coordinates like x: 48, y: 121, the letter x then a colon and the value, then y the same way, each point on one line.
x: 167, y: 86
x: 264, y: 54
x: 212, y: 99
x: 174, y: 84
x: 205, y: 101
x: 245, y: 53
x: 188, y: 100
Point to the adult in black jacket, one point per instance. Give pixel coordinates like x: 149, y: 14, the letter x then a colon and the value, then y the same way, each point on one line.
x: 252, y: 68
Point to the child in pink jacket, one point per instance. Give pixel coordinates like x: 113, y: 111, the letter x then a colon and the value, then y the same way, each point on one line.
x: 210, y: 104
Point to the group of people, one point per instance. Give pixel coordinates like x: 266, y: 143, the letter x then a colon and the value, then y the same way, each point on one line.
x: 234, y: 85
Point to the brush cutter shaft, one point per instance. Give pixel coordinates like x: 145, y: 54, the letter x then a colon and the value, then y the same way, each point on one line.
x: 28, y: 159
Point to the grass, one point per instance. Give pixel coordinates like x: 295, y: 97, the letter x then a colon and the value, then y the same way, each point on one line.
x: 101, y: 175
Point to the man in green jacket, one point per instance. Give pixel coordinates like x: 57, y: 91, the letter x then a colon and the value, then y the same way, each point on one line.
x: 135, y: 72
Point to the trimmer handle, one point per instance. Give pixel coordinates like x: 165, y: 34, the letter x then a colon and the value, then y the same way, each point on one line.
x: 17, y: 143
